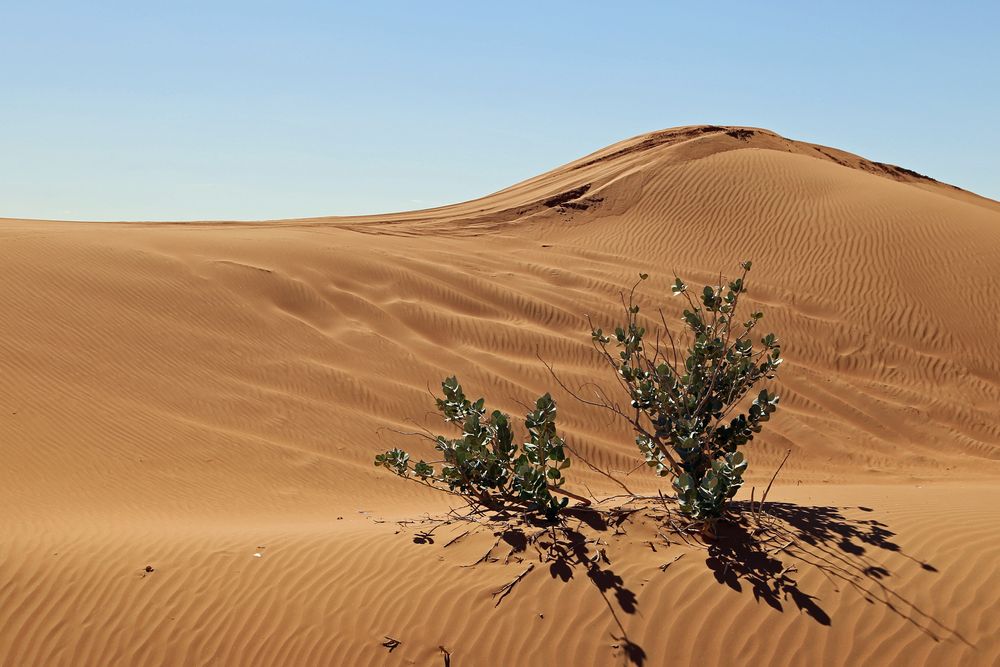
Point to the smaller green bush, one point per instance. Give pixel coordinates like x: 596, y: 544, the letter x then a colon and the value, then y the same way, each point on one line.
x: 485, y: 465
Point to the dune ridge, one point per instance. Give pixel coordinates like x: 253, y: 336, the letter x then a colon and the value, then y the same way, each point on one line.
x: 180, y: 394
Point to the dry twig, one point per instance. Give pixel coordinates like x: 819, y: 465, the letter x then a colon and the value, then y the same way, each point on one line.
x: 763, y: 498
x: 663, y: 568
x: 456, y: 539
x: 504, y: 590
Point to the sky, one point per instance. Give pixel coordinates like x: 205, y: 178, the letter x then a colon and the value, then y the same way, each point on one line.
x: 255, y: 110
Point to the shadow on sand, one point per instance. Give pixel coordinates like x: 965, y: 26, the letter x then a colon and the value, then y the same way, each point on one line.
x: 764, y: 554
x: 761, y: 552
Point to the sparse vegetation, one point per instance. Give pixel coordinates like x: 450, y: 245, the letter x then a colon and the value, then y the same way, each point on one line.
x: 485, y: 466
x: 683, y: 393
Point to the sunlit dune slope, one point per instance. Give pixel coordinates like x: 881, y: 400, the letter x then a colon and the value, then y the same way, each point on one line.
x: 181, y: 394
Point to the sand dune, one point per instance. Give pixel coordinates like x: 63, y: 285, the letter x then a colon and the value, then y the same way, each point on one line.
x: 185, y: 395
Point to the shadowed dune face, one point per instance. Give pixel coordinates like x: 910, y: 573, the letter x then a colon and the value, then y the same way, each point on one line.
x: 181, y: 394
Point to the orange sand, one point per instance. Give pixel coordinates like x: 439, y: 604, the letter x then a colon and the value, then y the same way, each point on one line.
x: 185, y: 395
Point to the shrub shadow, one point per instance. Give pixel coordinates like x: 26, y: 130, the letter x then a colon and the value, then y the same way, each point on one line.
x: 736, y: 556
x: 764, y: 555
x: 763, y: 552
x: 567, y: 552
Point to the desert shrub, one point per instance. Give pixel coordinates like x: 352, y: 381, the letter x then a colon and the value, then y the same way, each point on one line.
x: 484, y: 464
x: 683, y: 398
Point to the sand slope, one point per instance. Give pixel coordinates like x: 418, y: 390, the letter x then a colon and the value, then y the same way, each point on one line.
x: 181, y: 394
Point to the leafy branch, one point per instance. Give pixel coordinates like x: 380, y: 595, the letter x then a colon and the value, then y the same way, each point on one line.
x: 485, y: 465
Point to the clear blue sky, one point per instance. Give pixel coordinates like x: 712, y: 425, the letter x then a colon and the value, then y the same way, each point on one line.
x: 249, y: 110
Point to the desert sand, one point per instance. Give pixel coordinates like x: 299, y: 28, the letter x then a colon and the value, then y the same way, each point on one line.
x: 206, y: 398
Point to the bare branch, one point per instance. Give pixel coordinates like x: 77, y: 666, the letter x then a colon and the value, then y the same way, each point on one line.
x: 505, y: 590
x: 763, y: 498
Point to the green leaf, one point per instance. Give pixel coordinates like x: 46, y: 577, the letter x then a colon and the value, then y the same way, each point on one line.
x: 684, y: 482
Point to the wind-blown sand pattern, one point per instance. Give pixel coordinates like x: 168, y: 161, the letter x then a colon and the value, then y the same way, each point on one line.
x: 188, y: 395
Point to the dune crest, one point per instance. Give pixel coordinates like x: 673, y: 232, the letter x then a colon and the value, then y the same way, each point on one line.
x: 187, y: 395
